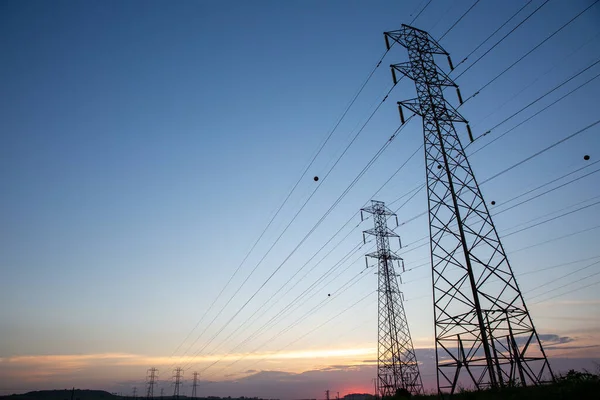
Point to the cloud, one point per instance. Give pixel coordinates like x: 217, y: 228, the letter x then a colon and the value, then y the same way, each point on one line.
x: 554, y: 339
x: 296, y: 374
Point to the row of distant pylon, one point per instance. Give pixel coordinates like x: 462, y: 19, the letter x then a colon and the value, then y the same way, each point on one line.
x: 152, y: 380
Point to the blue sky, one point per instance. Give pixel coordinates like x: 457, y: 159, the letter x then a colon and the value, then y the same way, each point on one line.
x: 146, y: 145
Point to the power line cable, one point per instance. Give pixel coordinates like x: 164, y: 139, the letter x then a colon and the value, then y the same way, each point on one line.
x: 530, y: 51
x: 493, y: 33
x: 560, y: 278
x: 444, y: 14
x: 549, y: 92
x: 312, y: 330
x: 530, y: 117
x: 567, y: 292
x: 250, y: 318
x: 537, y: 78
x: 306, y: 291
x: 294, y: 218
x: 320, y: 149
x: 568, y: 284
x: 458, y: 20
x: 548, y: 191
x: 491, y: 178
x: 552, y: 219
x: 364, y: 170
x: 538, y: 218
x: 503, y: 38
x: 516, y: 226
x: 420, y: 12
x: 281, y: 332
x: 549, y: 182
x: 541, y: 151
x: 524, y: 273
x: 557, y: 238
x: 395, y: 173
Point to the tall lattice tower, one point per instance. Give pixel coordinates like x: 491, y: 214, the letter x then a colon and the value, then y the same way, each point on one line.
x: 397, y: 366
x: 195, y: 385
x: 177, y: 378
x: 151, y: 378
x: 484, y: 335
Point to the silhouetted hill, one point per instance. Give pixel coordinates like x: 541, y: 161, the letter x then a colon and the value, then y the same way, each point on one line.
x: 79, y: 394
x: 66, y: 394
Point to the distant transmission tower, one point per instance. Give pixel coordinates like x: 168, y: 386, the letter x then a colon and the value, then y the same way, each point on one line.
x: 162, y: 392
x: 134, y: 392
x: 177, y: 377
x: 195, y: 385
x: 152, y: 375
x: 484, y: 335
x: 397, y: 366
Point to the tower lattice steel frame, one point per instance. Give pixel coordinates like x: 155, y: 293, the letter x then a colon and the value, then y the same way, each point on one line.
x: 177, y: 379
x: 151, y: 378
x: 484, y: 335
x: 195, y: 385
x: 397, y: 366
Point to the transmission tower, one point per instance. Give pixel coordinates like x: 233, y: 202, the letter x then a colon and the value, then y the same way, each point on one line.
x: 177, y: 377
x: 484, y: 335
x: 195, y: 385
x: 134, y: 392
x: 397, y: 366
x: 152, y: 375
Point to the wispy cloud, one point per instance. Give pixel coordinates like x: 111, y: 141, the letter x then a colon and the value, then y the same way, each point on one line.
x: 76, y: 361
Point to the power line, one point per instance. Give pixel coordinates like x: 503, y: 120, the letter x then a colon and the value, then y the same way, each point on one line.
x: 553, y: 218
x: 561, y: 278
x: 568, y: 292
x: 278, y: 314
x: 398, y: 170
x: 396, y: 173
x: 548, y: 191
x: 556, y: 211
x: 486, y: 181
x: 535, y: 271
x: 542, y: 151
x: 569, y: 284
x: 356, y: 179
x: 557, y: 238
x: 548, y: 183
x: 547, y: 93
x: 458, y: 20
x: 493, y: 33
x: 532, y: 116
x: 295, y: 300
x: 311, y: 331
x: 285, y: 329
x: 504, y: 37
x: 531, y: 51
x: 516, y: 226
x: 318, y: 222
x: 320, y: 149
x: 420, y: 12
x: 537, y: 78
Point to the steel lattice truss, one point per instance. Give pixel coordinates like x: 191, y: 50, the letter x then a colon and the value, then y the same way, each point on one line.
x: 151, y: 378
x: 484, y: 334
x: 397, y: 366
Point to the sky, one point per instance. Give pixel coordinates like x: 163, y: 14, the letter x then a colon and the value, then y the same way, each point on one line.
x: 146, y: 145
